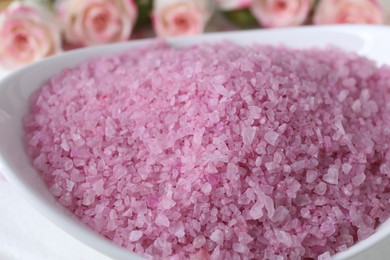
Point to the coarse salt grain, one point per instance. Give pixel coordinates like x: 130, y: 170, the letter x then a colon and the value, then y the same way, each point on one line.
x: 311, y: 175
x: 199, y: 241
x: 271, y: 137
x: 325, y: 256
x: 135, y: 235
x: 283, y: 237
x: 218, y: 151
x: 256, y: 212
x: 162, y: 220
x: 332, y: 176
x: 217, y: 236
x: 206, y: 188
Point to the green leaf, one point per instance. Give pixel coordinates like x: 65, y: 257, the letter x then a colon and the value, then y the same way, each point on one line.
x: 145, y: 8
x: 242, y: 18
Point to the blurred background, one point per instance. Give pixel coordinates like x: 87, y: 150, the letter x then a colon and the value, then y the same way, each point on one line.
x: 34, y: 29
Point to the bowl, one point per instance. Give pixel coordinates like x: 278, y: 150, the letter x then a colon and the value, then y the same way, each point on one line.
x: 369, y: 41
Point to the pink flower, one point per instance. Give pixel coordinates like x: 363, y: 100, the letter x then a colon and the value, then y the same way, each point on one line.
x: 348, y: 11
x: 92, y: 22
x: 180, y: 17
x: 227, y: 5
x: 281, y: 13
x: 27, y: 33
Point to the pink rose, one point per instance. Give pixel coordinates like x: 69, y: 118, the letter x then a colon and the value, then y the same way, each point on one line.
x: 348, y: 11
x: 27, y: 33
x: 227, y: 5
x: 91, y: 22
x: 281, y: 13
x: 180, y: 17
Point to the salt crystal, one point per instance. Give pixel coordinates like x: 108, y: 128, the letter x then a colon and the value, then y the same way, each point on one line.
x: 240, y: 248
x: 347, y: 190
x: 254, y: 112
x: 269, y: 205
x: 340, y: 127
x: 217, y: 236
x: 283, y: 237
x: 358, y: 179
x: 179, y: 230
x: 293, y: 188
x: 357, y: 106
x: 364, y: 232
x: 162, y: 220
x: 271, y: 137
x: 119, y: 171
x: 65, y: 146
x: 346, y: 167
x: 365, y: 94
x: 198, y: 137
x: 342, y: 248
x: 298, y: 165
x: 277, y: 158
x: 320, y: 188
x: 302, y: 200
x: 256, y: 212
x: 199, y: 241
x: 216, y: 254
x: 110, y: 130
x: 282, y: 128
x: 280, y: 214
x: 305, y: 213
x: 260, y: 149
x: 206, y: 188
x: 135, y: 235
x: 286, y: 168
x: 272, y: 167
x: 69, y: 185
x: 56, y: 190
x: 247, y: 66
x: 221, y: 90
x: 68, y: 165
x: 325, y: 256
x: 327, y: 228
x: 88, y: 198
x: 311, y: 175
x: 327, y: 143
x: 214, y: 117
x: 253, y: 81
x: 154, y: 146
x: 385, y: 169
x: 231, y: 170
x: 332, y: 176
x: 258, y: 161
x: 342, y: 95
x: 248, y: 134
x: 271, y: 95
x: 167, y: 203
x: 244, y: 238
x: 200, y: 255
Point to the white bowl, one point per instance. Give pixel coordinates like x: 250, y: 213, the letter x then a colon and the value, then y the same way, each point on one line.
x: 15, y: 90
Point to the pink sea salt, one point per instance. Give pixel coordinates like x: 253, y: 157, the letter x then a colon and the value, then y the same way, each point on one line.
x: 219, y: 151
x: 135, y: 235
x: 217, y: 236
